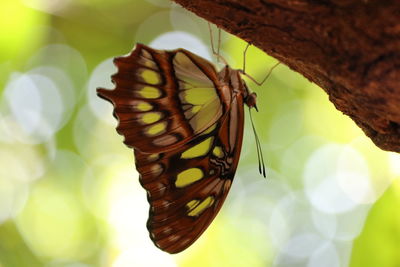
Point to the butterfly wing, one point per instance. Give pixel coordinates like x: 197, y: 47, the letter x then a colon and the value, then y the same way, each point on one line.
x: 186, y: 128
x: 163, y: 99
x: 186, y: 188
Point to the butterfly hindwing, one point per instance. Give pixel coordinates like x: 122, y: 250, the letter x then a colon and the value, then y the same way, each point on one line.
x: 186, y: 190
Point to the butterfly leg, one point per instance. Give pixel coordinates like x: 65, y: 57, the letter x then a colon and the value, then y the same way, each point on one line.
x: 216, y: 53
x: 265, y: 78
x: 244, y: 58
x: 243, y: 70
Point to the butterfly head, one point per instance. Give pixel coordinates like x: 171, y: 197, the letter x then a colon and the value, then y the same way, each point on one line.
x: 250, y: 98
x: 251, y: 101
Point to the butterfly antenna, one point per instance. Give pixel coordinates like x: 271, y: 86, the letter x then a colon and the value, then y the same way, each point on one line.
x: 261, y: 164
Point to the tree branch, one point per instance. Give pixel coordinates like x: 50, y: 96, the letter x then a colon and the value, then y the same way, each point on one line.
x: 350, y: 48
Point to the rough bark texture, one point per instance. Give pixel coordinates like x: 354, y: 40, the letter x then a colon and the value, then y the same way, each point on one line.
x: 350, y: 48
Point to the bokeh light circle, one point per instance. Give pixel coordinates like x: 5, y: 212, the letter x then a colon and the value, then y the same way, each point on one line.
x: 326, y: 255
x: 51, y: 7
x: 47, y: 231
x: 160, y: 3
x: 36, y: 105
x: 325, y: 223
x: 350, y: 224
x: 65, y: 58
x: 101, y: 77
x: 180, y: 39
x: 290, y: 218
x: 394, y: 161
x: 322, y: 177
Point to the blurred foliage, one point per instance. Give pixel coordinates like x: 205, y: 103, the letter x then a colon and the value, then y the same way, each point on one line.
x: 378, y: 244
x: 69, y: 195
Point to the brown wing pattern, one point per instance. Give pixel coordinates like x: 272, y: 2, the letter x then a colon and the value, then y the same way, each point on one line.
x: 163, y: 99
x: 186, y: 190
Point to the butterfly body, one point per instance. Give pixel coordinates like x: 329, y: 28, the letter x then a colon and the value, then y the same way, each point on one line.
x: 184, y: 121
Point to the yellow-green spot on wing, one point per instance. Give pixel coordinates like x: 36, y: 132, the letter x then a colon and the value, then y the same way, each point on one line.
x: 153, y: 157
x: 192, y: 204
x: 206, y: 115
x: 150, y: 77
x: 143, y: 106
x: 197, y: 90
x: 210, y: 129
x: 198, y: 150
x: 151, y: 117
x: 197, y: 208
x: 198, y: 96
x: 156, y: 129
x: 188, y: 177
x: 217, y: 151
x: 192, y: 111
x: 149, y: 92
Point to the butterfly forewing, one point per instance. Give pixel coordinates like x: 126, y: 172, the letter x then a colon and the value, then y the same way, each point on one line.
x: 186, y: 127
x: 163, y: 99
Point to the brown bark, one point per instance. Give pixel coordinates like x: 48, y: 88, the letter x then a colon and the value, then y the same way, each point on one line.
x: 350, y: 48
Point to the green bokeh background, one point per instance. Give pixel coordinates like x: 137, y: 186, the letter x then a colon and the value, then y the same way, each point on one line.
x: 69, y: 194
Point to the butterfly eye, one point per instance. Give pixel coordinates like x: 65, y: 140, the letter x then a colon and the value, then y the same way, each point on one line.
x: 251, y: 100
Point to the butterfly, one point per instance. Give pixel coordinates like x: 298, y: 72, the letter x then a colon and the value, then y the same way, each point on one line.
x: 184, y: 121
